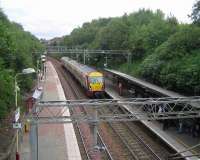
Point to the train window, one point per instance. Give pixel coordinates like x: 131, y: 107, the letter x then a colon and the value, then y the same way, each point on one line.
x: 96, y: 79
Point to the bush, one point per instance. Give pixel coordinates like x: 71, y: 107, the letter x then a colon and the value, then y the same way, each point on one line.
x: 175, y: 64
x: 17, y: 49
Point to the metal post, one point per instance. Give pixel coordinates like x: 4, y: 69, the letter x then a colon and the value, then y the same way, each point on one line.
x: 17, y: 138
x: 83, y: 56
x: 128, y: 61
x: 38, y: 78
x: 95, y: 128
x: 106, y: 64
x: 45, y: 70
x: 16, y: 91
x: 42, y: 73
x: 33, y: 141
x: 37, y: 146
x: 16, y: 106
x: 34, y: 138
x: 17, y: 149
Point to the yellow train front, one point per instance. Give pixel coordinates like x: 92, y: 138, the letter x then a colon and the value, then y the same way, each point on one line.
x: 96, y: 84
x: 91, y: 79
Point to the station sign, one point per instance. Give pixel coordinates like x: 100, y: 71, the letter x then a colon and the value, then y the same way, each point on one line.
x: 17, y: 114
x: 17, y: 125
x: 37, y: 93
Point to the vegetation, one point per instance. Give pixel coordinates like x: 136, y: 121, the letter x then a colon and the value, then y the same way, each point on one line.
x: 17, y: 49
x: 195, y: 16
x: 163, y: 51
x: 175, y: 64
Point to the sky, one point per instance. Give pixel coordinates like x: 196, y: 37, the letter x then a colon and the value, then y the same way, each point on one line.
x: 55, y: 18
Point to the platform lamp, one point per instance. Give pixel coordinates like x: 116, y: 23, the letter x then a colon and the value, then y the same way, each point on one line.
x: 24, y: 72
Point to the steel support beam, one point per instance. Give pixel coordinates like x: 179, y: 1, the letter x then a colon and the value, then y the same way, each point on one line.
x: 141, y: 109
x: 193, y: 101
x: 62, y: 50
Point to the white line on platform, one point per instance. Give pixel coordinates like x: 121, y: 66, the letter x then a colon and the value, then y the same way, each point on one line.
x: 73, y: 151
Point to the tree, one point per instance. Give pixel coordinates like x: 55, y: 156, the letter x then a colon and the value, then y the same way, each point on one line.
x: 113, y: 36
x: 175, y: 64
x: 163, y: 51
x: 17, y: 51
x: 195, y: 16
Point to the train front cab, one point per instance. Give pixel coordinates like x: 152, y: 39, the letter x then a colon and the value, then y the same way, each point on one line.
x: 96, y: 84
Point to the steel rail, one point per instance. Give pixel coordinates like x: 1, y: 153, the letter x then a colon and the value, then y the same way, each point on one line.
x: 101, y: 139
x: 79, y: 130
x: 144, y: 144
x: 106, y: 148
x: 135, y: 136
x: 77, y: 96
x: 82, y: 139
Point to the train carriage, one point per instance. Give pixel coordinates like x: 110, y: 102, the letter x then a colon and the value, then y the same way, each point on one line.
x: 91, y: 79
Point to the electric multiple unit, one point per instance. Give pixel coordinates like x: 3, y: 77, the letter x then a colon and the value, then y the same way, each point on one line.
x: 91, y: 79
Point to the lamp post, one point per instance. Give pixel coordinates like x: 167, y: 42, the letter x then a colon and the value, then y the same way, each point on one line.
x: 43, y: 67
x: 24, y: 71
x: 106, y: 63
x: 38, y: 73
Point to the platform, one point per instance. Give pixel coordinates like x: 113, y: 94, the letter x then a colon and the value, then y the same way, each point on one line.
x: 55, y: 141
x: 144, y: 84
x: 171, y: 137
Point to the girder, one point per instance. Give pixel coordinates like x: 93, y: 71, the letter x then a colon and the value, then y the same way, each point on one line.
x: 62, y: 49
x: 140, y: 108
x: 194, y: 101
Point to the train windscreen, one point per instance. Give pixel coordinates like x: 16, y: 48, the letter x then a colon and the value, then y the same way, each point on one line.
x: 96, y: 80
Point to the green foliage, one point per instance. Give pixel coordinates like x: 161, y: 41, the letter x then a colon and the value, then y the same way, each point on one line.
x: 152, y: 31
x: 140, y: 32
x: 195, y: 16
x: 83, y: 37
x: 6, y: 90
x: 175, y: 64
x: 108, y: 36
x: 16, y: 53
x: 133, y: 69
x: 163, y: 51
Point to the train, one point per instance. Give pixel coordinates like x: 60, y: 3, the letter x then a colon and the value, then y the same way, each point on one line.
x: 90, y: 79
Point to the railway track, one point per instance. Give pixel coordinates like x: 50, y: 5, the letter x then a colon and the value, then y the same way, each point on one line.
x: 69, y: 95
x: 137, y: 149
x: 139, y: 145
x: 80, y: 128
x: 121, y: 140
x: 157, y: 151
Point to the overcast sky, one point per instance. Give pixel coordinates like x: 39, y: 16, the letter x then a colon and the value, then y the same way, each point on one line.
x: 52, y: 18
